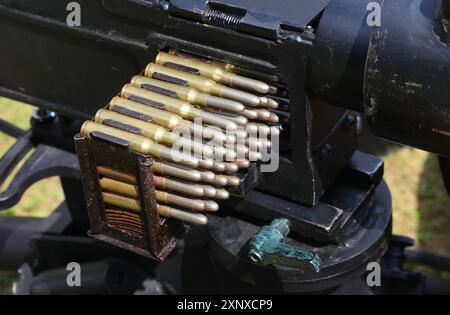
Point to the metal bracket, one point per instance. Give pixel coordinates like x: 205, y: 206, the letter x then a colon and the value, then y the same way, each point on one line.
x: 44, y: 162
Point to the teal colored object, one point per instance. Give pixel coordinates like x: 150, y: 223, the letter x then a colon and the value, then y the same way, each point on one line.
x: 267, y: 247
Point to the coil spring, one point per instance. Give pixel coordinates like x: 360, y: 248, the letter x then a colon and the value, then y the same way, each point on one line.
x: 222, y: 20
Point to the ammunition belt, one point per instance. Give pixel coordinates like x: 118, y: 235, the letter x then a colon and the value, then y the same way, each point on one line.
x: 191, y: 124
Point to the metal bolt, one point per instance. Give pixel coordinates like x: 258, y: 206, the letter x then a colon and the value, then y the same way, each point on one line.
x: 326, y: 151
x: 349, y: 122
x: 44, y: 116
x: 353, y: 122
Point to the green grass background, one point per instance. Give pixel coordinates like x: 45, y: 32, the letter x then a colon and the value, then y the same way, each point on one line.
x: 421, y: 205
x: 42, y: 197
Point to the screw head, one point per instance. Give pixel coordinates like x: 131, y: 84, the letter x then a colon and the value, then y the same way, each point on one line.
x: 44, y: 116
x: 349, y: 122
x: 326, y: 151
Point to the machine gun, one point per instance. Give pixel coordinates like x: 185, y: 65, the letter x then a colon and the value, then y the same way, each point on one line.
x: 312, y: 225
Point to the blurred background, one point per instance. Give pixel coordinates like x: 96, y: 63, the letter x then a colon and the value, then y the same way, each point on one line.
x: 421, y: 205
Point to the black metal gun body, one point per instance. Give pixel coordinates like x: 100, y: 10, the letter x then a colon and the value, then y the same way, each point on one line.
x: 76, y: 70
x: 329, y: 61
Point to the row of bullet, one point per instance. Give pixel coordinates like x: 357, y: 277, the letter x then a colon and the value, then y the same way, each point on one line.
x: 155, y: 111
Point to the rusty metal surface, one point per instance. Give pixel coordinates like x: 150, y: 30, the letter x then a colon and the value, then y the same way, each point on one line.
x: 144, y: 233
